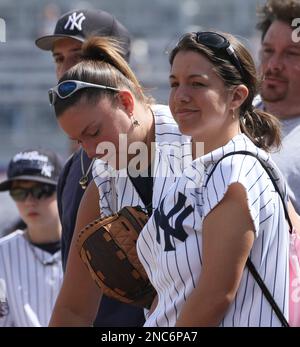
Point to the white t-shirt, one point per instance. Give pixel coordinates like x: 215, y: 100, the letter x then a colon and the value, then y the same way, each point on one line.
x: 170, y: 245
x: 287, y: 158
x: 30, y: 280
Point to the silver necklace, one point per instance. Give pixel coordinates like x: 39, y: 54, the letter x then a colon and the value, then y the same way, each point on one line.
x: 84, y: 180
x: 52, y: 260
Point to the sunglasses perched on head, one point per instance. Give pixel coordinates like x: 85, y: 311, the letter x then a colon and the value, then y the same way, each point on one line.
x: 217, y: 42
x: 37, y: 192
x: 67, y: 88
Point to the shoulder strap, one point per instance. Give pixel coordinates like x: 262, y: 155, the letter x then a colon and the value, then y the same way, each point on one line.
x: 249, y: 263
x: 267, y: 171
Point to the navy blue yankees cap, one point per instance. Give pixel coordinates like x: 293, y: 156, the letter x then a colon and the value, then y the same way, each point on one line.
x: 33, y: 165
x: 82, y: 24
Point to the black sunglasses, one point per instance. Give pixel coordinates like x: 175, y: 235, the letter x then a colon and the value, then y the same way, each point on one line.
x: 217, y: 42
x: 67, y: 88
x: 37, y: 192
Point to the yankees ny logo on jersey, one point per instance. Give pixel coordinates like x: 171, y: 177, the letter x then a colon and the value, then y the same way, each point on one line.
x: 75, y: 20
x: 162, y: 221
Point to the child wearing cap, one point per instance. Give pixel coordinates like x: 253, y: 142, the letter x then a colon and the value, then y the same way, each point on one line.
x: 30, y: 259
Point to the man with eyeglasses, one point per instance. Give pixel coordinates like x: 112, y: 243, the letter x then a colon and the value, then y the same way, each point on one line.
x: 30, y: 259
x: 280, y: 68
x: 71, y: 30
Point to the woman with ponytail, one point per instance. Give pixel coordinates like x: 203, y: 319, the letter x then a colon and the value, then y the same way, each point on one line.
x: 100, y: 103
x: 224, y: 209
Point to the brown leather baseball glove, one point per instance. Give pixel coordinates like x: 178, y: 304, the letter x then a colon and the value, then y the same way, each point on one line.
x: 108, y: 248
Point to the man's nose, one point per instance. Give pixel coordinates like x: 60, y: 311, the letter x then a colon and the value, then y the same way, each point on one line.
x: 64, y: 67
x: 275, y: 62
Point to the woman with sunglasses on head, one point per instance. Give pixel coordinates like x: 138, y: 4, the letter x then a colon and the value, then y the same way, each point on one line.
x: 99, y: 103
x: 30, y: 260
x: 224, y: 208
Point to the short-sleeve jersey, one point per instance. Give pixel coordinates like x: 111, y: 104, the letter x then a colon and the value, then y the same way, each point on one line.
x: 30, y: 280
x: 170, y: 245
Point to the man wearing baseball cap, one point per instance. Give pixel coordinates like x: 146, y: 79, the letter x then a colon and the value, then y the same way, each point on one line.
x: 79, y: 25
x: 71, y: 30
x: 30, y: 262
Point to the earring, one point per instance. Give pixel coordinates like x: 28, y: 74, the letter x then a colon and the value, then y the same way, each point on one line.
x: 233, y: 115
x: 135, y: 122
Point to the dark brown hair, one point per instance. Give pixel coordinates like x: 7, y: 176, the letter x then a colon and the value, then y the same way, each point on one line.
x: 261, y: 127
x: 101, y: 63
x: 283, y: 10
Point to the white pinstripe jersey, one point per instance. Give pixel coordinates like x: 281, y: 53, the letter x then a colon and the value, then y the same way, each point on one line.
x: 170, y: 245
x: 172, y: 153
x: 32, y: 278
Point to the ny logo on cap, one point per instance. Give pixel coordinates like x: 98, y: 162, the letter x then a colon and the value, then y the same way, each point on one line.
x: 75, y: 20
x: 47, y: 170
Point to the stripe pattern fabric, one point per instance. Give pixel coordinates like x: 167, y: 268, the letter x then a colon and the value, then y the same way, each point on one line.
x: 172, y: 154
x: 32, y: 278
x: 170, y: 245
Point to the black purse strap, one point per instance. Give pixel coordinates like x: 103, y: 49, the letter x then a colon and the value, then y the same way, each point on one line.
x: 267, y: 293
x: 249, y: 263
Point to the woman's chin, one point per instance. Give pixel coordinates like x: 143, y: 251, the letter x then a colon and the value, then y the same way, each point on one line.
x: 185, y: 129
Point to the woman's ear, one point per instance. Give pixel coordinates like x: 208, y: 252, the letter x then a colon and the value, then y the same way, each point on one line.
x: 126, y: 101
x: 239, y: 95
